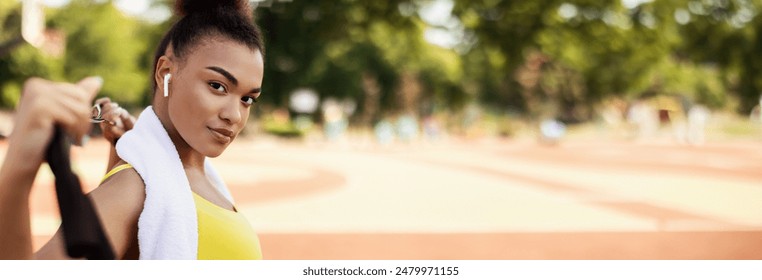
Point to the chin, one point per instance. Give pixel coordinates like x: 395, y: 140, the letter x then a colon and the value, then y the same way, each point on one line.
x: 213, y: 153
x: 213, y: 150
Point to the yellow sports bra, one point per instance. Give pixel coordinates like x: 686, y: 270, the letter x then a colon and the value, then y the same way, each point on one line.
x: 222, y: 234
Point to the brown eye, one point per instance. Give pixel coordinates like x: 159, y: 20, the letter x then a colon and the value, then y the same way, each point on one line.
x: 217, y: 86
x: 248, y: 100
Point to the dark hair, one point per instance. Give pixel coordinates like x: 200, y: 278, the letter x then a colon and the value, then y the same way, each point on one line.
x: 204, y: 18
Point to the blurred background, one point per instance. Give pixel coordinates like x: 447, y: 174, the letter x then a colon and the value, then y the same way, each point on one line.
x: 454, y: 129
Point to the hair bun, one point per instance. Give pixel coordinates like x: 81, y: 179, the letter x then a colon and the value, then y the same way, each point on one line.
x: 188, y: 7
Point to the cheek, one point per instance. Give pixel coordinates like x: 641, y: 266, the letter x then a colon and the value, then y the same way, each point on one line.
x: 245, y: 112
x: 186, y: 107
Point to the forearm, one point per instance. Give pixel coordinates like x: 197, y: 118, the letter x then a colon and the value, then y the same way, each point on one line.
x: 113, y: 158
x: 15, y: 229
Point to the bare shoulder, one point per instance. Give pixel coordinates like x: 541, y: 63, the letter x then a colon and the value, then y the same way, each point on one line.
x: 125, y: 187
x: 119, y: 202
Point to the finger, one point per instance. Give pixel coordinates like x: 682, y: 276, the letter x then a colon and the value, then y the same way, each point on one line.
x: 106, y: 109
x: 70, y: 91
x: 117, y: 131
x: 64, y: 115
x: 67, y: 105
x: 103, y: 101
x: 128, y: 120
x: 111, y: 107
x: 73, y: 116
x: 91, y: 85
x: 117, y: 122
x: 37, y: 86
x: 125, y: 116
x: 114, y: 118
x: 104, y: 127
x: 114, y: 134
x: 114, y: 108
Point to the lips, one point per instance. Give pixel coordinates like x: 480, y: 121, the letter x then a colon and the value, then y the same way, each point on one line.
x: 222, y: 135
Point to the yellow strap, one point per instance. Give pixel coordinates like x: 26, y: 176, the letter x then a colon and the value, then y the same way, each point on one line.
x: 115, y: 170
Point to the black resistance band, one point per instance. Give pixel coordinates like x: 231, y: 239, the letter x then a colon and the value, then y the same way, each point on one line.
x: 82, y: 229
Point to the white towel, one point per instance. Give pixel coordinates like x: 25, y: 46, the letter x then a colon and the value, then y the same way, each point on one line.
x: 168, y: 226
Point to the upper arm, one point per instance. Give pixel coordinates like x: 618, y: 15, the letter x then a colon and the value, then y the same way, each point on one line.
x: 118, y: 202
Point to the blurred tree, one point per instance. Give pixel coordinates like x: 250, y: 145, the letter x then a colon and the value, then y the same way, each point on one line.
x: 151, y: 35
x: 567, y: 55
x: 19, y: 60
x: 506, y: 32
x: 354, y: 50
x: 537, y: 57
x: 726, y: 35
x: 105, y: 43
x: 559, y: 58
x: 10, y: 21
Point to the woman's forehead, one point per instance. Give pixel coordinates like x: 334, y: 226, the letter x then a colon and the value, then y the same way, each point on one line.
x: 224, y: 53
x: 238, y: 59
x: 217, y: 47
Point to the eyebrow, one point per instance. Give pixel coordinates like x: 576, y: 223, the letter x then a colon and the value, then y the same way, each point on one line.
x: 230, y: 77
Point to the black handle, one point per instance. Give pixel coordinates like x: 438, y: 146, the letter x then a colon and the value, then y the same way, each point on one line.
x: 82, y: 229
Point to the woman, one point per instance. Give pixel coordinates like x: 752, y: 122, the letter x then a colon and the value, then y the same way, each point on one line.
x: 208, y: 71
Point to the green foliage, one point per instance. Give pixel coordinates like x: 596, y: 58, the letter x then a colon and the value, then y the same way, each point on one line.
x: 105, y: 43
x: 11, y: 94
x: 583, y: 51
x: 285, y: 130
x: 26, y: 61
x: 699, y: 84
x: 559, y: 57
x: 23, y: 61
x: 331, y: 47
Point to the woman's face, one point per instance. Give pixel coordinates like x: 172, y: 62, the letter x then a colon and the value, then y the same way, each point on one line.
x: 212, y: 93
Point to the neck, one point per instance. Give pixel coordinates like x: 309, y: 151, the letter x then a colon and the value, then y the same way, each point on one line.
x: 190, y: 158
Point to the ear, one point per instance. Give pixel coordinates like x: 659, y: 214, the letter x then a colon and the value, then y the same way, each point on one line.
x: 163, y: 67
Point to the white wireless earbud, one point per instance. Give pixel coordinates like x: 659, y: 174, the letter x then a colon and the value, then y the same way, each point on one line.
x: 166, y: 84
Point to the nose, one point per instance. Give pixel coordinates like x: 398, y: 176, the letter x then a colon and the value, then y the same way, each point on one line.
x: 231, y: 113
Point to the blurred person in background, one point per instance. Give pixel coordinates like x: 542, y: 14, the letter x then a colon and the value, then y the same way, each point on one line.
x: 756, y: 113
x: 161, y: 198
x: 698, y: 117
x: 551, y: 131
x: 644, y: 119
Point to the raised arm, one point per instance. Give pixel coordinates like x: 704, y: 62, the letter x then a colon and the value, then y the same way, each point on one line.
x: 115, y: 122
x: 43, y: 105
